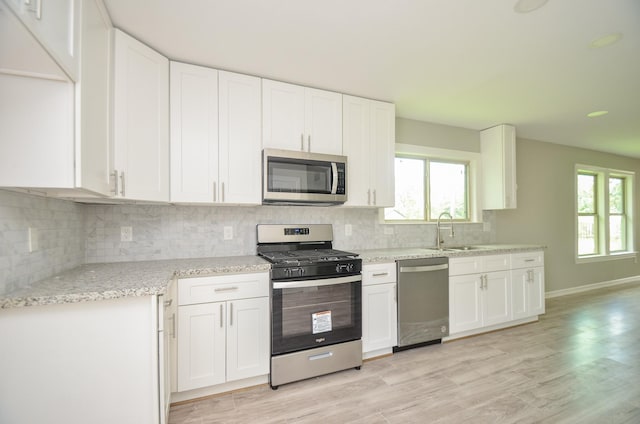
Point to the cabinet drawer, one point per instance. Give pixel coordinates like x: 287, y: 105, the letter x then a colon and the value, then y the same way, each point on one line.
x: 378, y: 274
x: 476, y: 264
x: 496, y: 263
x: 465, y: 265
x: 527, y: 259
x: 222, y: 288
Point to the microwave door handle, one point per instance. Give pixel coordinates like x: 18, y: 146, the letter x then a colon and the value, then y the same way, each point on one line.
x: 334, y: 180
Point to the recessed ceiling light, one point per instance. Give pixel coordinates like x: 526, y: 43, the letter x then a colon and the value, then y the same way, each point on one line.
x: 605, y: 41
x: 597, y: 113
x: 526, y: 6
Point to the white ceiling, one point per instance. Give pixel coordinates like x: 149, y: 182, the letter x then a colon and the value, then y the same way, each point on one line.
x: 466, y: 63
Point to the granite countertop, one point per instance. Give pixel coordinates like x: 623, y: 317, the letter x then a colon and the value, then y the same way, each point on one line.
x: 122, y: 279
x: 390, y: 255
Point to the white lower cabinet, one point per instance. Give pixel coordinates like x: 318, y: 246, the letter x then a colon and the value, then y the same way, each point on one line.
x: 490, y: 292
x: 379, y: 309
x: 527, y: 292
x: 224, y: 340
x: 88, y: 362
x: 479, y: 292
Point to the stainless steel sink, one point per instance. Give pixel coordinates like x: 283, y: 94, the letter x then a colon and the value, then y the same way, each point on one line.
x: 461, y: 248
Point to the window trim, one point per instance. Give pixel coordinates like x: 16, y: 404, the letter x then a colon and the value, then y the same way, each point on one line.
x: 473, y: 160
x: 603, y: 213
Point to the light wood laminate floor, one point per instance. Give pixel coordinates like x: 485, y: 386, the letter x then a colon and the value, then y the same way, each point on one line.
x: 579, y: 364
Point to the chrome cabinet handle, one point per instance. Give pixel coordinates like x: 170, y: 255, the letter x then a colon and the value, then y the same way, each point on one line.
x: 375, y: 199
x: 221, y: 320
x: 122, y: 183
x: 222, y: 192
x: 309, y: 143
x: 380, y: 274
x: 168, y: 303
x: 231, y: 314
x: 173, y: 326
x: 302, y: 142
x: 215, y: 191
x: 115, y: 175
x: 225, y: 289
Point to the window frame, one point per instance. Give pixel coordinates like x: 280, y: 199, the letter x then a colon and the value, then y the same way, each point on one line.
x: 603, y: 213
x: 472, y: 160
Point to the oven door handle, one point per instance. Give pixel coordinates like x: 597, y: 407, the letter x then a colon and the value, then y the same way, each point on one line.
x: 315, y: 283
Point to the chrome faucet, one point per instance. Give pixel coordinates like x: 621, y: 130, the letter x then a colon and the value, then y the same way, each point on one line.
x: 439, y: 241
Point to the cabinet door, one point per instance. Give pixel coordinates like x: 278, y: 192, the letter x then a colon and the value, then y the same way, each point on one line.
x: 248, y: 348
x: 194, y: 133
x: 93, y: 158
x: 56, y: 25
x: 496, y: 298
x: 520, y: 293
x: 240, y: 144
x: 382, y: 151
x: 465, y: 311
x: 323, y: 121
x: 282, y: 116
x: 498, y: 150
x: 356, y: 113
x: 379, y: 317
x: 140, y: 120
x: 201, y: 345
x: 536, y: 292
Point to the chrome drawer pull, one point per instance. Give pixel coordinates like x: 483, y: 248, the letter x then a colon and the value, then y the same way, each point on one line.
x: 380, y: 274
x: 225, y: 289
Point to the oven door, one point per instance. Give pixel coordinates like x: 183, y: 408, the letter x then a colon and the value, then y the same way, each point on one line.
x: 313, y: 313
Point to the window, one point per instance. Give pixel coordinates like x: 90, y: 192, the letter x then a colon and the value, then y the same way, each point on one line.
x: 426, y: 187
x: 604, y: 212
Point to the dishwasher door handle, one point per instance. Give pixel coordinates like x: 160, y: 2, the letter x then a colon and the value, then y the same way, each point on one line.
x: 425, y: 268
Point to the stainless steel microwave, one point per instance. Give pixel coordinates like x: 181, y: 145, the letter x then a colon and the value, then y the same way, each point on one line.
x: 290, y: 177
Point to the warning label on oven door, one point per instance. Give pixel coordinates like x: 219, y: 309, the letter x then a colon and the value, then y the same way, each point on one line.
x: 321, y: 322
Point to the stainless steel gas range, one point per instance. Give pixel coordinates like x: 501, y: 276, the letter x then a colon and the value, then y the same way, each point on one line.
x: 316, y: 302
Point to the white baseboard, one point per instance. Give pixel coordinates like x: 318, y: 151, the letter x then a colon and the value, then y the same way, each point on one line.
x: 588, y: 287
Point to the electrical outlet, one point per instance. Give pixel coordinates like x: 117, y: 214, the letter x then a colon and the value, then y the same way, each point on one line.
x: 32, y: 237
x: 228, y: 233
x: 348, y: 230
x: 126, y: 233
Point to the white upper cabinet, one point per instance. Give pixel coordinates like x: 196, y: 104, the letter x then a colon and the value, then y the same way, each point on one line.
x: 56, y: 24
x: 301, y: 118
x: 194, y: 133
x: 93, y: 163
x: 215, y: 136
x: 498, y: 150
x: 140, y: 120
x: 369, y: 143
x: 56, y: 135
x: 240, y: 122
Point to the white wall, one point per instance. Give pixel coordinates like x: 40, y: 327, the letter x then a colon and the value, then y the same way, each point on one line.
x: 545, y: 212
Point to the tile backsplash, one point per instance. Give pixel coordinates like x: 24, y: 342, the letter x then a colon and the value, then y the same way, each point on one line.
x: 58, y: 237
x: 71, y: 234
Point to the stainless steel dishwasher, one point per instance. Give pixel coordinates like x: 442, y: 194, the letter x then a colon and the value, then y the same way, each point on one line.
x: 423, y: 302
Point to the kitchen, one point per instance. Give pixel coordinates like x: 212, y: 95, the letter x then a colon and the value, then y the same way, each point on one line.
x: 68, y: 234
